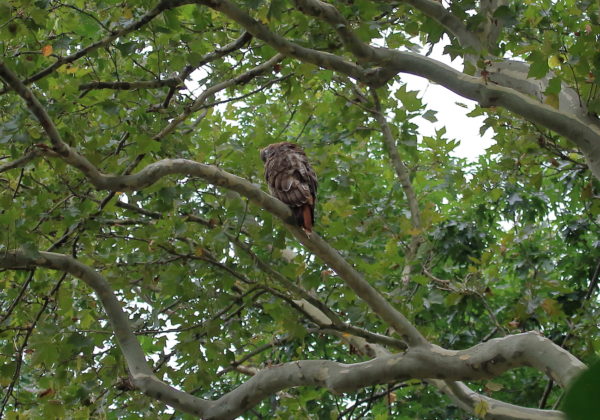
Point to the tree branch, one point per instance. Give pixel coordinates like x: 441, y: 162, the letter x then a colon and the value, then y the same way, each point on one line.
x: 282, y: 45
x: 467, y: 399
x: 482, y: 361
x: 461, y: 394
x: 404, y: 177
x: 444, y: 17
x: 200, y: 101
x: 176, y: 80
x: 141, y: 373
x: 400, y: 167
x: 584, y: 135
x: 333, y: 17
x: 22, y: 161
x: 513, y: 74
x: 153, y: 172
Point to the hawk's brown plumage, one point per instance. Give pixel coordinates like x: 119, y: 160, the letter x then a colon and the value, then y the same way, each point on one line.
x: 292, y: 180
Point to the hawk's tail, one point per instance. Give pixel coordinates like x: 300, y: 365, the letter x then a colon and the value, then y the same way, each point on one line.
x: 307, y: 219
x: 304, y: 217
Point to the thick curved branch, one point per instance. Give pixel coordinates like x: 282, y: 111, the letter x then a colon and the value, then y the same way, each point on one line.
x: 155, y: 171
x: 282, y: 45
x: 444, y: 17
x: 482, y: 361
x: 141, y: 373
x: 513, y: 74
x: 584, y: 135
x: 467, y: 399
x: 508, y: 73
x: 333, y: 17
x: 460, y: 393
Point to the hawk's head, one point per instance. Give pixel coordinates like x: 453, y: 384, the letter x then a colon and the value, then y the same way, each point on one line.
x: 278, y: 147
x: 264, y: 153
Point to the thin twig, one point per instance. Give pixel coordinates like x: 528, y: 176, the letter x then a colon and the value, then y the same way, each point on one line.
x: 22, y: 161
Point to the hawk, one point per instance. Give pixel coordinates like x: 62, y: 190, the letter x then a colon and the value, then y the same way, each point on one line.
x: 292, y: 180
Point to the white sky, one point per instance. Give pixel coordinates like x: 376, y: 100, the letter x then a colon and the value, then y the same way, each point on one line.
x: 449, y: 114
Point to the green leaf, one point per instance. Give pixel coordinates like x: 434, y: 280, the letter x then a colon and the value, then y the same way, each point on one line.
x: 277, y: 9
x: 410, y: 100
x: 539, y: 65
x: 581, y: 401
x: 554, y: 86
x: 506, y: 15
x: 127, y: 48
x: 54, y: 409
x: 5, y: 11
x: 171, y: 18
x: 87, y: 26
x: 429, y: 115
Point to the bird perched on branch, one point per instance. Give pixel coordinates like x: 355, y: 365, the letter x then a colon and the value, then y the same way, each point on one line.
x: 292, y: 180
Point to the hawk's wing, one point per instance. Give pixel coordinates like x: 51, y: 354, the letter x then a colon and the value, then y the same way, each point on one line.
x: 290, y: 178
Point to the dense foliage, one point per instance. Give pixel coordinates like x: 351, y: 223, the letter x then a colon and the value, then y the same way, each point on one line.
x: 210, y: 281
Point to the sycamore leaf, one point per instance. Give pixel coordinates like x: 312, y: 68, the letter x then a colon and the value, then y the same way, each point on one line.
x: 493, y: 386
x: 554, y: 86
x: 552, y: 100
x: 551, y: 307
x: 46, y: 50
x: 554, y: 61
x: 539, y: 65
x: 481, y: 408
